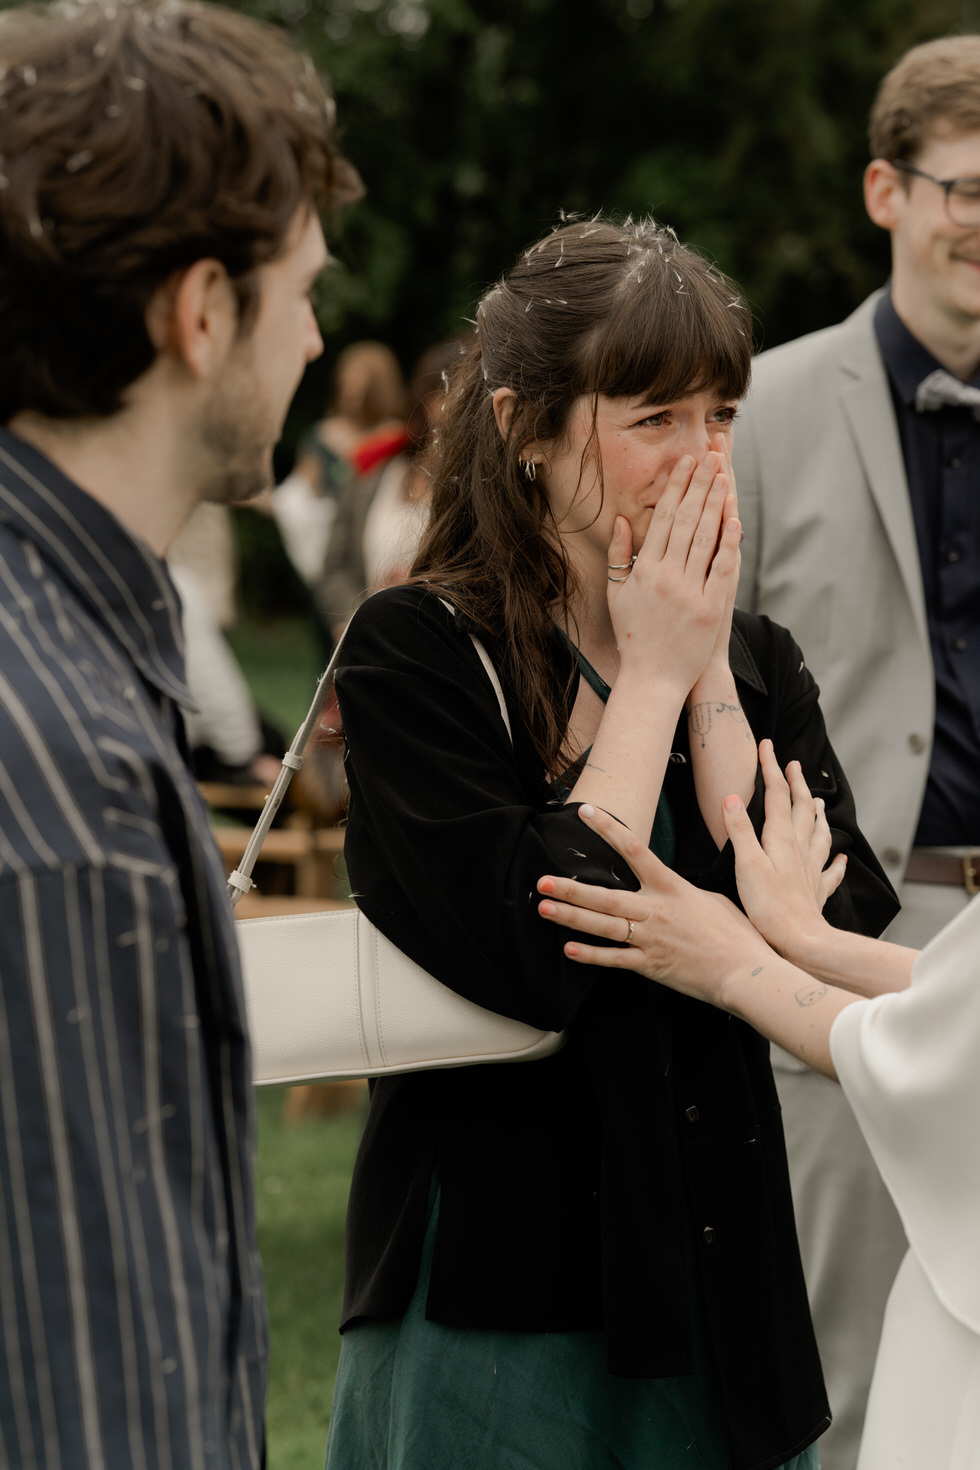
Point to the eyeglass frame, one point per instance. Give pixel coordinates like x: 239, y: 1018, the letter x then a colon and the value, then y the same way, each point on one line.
x: 947, y: 185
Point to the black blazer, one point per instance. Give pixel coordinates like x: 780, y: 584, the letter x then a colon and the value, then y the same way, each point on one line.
x: 574, y: 1189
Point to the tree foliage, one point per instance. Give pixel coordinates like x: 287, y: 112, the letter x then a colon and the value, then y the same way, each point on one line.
x: 475, y: 122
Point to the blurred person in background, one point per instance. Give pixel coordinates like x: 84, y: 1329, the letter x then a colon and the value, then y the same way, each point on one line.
x: 364, y: 426
x: 381, y: 512
x: 229, y: 740
x: 161, y: 167
x: 858, y: 461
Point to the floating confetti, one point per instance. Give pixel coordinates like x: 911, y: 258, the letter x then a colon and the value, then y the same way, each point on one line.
x: 79, y: 160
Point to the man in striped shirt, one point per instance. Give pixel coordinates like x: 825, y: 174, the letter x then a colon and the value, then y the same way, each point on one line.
x: 160, y: 169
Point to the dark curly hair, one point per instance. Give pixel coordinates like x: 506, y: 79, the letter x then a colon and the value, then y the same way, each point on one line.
x: 136, y: 138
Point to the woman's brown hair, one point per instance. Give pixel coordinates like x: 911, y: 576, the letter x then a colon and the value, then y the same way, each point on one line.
x: 596, y: 307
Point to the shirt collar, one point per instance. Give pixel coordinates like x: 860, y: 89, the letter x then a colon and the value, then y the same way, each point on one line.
x: 116, y: 575
x: 905, y: 358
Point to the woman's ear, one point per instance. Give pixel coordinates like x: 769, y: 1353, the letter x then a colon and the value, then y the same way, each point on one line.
x: 504, y: 403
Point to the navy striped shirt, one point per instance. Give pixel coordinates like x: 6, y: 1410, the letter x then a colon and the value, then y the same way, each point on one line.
x: 132, y: 1326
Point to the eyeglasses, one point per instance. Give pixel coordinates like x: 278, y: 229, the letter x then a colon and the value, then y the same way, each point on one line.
x: 962, y: 195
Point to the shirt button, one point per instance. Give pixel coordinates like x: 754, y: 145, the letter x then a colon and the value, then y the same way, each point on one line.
x: 891, y: 857
x: 708, y: 1235
x: 952, y: 554
x: 692, y: 1115
x: 917, y: 743
x: 960, y: 645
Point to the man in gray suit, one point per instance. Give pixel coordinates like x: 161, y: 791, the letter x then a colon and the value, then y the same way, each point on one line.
x: 858, y: 468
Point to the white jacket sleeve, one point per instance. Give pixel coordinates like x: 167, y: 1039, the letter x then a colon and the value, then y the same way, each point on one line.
x: 909, y: 1064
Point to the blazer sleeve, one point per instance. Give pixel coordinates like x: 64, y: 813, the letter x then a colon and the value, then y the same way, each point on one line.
x: 451, y: 826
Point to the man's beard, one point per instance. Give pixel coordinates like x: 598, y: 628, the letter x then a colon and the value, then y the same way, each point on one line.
x: 237, y: 447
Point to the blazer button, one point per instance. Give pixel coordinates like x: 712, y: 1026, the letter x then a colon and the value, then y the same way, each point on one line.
x: 708, y: 1235
x: 892, y: 856
x: 917, y: 743
x: 691, y: 1114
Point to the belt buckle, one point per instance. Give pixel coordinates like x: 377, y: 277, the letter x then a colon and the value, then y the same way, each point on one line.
x: 971, y: 872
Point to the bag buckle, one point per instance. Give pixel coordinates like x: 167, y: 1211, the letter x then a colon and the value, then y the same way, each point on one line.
x: 971, y: 872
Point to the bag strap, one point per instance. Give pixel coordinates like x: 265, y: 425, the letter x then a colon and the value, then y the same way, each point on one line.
x: 240, y: 881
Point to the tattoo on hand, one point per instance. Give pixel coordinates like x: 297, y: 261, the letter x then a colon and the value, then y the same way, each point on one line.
x: 702, y: 717
x: 757, y: 971
x: 810, y: 994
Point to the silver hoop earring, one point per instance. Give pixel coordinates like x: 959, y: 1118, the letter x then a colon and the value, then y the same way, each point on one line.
x: 530, y: 470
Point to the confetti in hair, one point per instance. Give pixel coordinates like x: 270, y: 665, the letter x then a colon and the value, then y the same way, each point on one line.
x: 79, y: 160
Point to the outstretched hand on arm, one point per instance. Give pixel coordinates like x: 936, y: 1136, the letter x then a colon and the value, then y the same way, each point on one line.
x: 700, y: 944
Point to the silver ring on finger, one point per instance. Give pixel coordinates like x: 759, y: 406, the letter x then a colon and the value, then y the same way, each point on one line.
x: 622, y: 566
x: 618, y: 579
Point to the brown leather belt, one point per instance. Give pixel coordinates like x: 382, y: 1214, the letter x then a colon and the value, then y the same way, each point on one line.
x: 937, y: 867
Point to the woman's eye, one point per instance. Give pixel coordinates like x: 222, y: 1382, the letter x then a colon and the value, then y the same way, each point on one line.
x: 654, y: 420
x: 726, y: 415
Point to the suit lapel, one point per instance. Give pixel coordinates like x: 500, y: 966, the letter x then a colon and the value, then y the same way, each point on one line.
x: 867, y: 404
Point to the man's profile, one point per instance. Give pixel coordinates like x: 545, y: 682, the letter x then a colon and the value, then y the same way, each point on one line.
x: 161, y: 168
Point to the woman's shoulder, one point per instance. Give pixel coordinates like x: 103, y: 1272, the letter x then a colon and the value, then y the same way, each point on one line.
x: 409, y: 620
x: 769, y: 644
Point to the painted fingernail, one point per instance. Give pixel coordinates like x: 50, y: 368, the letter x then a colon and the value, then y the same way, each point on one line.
x: 572, y: 951
x: 547, y: 910
x: 732, y: 804
x: 546, y: 885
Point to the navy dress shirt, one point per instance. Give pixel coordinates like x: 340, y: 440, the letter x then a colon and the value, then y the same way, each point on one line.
x: 942, y: 464
x: 132, y: 1328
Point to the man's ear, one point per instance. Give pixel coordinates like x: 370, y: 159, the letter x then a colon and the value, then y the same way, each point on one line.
x: 884, y: 193
x: 194, y: 315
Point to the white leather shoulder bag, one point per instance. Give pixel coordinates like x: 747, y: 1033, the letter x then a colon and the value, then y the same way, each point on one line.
x: 329, y: 997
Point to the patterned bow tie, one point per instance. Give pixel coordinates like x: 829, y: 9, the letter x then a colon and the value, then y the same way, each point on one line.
x: 941, y: 390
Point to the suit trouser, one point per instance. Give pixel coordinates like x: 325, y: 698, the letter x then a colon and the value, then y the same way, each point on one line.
x: 851, y: 1238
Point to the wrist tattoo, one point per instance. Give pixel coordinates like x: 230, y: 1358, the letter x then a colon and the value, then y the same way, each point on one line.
x: 810, y: 994
x: 702, y: 718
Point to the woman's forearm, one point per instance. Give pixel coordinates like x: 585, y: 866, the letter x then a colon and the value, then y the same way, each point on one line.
x: 852, y: 962
x: 625, y: 768
x: 792, y: 1008
x: 723, y: 750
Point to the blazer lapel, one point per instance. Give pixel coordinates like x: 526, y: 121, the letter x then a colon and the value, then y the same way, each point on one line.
x: 867, y: 404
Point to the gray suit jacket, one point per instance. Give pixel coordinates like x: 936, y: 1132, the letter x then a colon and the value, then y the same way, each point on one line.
x: 830, y: 552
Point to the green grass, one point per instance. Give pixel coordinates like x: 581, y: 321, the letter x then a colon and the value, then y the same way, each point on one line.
x: 302, y: 1185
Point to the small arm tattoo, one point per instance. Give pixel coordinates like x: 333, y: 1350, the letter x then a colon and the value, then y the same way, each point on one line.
x: 703, y: 717
x: 810, y: 994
